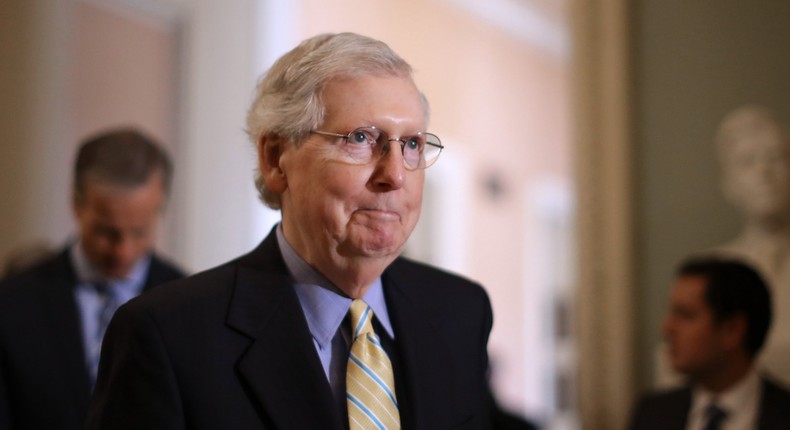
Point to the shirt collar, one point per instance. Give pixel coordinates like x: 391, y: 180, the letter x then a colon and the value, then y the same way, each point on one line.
x: 325, y: 307
x: 743, y: 391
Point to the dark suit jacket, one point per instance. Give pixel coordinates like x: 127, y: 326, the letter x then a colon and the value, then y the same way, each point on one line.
x: 230, y: 349
x: 44, y: 382
x: 669, y: 410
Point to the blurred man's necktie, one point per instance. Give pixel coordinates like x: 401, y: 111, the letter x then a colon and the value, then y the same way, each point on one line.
x: 715, y: 416
x: 108, y: 304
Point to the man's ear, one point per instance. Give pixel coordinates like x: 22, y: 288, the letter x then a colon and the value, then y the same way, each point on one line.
x: 270, y: 150
x: 734, y: 331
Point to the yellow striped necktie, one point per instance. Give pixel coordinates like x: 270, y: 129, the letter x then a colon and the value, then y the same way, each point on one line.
x: 370, y: 385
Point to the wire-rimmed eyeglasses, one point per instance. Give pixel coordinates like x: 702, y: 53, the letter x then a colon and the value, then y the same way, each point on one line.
x: 419, y: 151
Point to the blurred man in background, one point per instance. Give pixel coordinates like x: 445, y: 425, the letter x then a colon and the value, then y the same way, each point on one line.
x: 54, y: 314
x: 719, y: 316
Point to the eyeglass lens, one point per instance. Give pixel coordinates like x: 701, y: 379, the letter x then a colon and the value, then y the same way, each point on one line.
x: 419, y: 150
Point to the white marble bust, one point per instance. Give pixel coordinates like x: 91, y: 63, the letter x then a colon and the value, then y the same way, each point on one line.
x: 754, y: 154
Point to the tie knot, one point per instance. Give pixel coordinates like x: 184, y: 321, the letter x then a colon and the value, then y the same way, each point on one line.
x: 102, y: 287
x: 361, y: 318
x: 714, y: 410
x: 715, y: 416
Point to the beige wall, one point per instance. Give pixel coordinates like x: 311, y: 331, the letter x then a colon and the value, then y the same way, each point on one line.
x: 33, y: 39
x: 122, y: 71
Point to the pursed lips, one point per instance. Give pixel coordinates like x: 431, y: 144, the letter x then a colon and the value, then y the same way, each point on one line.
x: 379, y: 214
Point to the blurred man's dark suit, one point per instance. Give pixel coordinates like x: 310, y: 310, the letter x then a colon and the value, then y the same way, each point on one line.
x: 44, y: 380
x: 231, y: 348
x: 669, y: 410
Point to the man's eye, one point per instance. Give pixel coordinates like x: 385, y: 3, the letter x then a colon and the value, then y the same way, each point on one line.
x: 413, y: 144
x: 360, y: 138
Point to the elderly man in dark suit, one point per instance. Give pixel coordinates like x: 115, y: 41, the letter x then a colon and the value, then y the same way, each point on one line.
x: 324, y: 325
x: 53, y: 315
x: 719, y: 316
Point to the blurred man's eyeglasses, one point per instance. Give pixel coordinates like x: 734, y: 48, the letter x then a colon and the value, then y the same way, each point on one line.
x: 419, y: 151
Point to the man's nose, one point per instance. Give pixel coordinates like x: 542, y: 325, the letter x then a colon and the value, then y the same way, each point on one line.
x: 390, y: 168
x: 123, y: 248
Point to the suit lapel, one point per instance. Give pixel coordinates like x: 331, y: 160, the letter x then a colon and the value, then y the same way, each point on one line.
x: 677, y: 415
x: 281, y: 367
x: 63, y: 320
x: 426, y: 364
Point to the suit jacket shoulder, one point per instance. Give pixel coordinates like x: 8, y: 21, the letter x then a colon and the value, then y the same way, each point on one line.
x: 433, y: 285
x: 664, y: 410
x: 41, y: 294
x: 39, y: 276
x: 161, y: 271
x: 214, y: 283
x: 775, y: 406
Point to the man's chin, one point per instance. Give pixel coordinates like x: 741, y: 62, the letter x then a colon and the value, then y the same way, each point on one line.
x: 377, y: 241
x: 115, y: 272
x: 375, y: 247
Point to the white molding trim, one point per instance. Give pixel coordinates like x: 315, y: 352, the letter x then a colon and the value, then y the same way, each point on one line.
x: 162, y: 14
x: 525, y: 22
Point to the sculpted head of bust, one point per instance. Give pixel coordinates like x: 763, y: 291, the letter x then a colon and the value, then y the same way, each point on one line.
x: 754, y: 151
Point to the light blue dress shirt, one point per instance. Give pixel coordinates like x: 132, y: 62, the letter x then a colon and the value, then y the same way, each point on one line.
x: 89, y: 301
x: 325, y: 309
